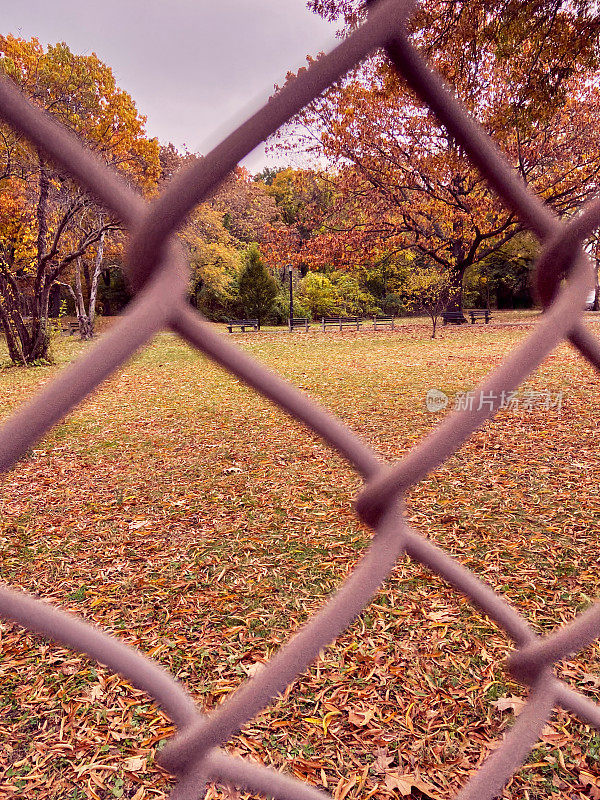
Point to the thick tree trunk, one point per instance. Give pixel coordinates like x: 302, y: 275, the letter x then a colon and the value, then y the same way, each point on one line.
x: 27, y: 340
x: 455, y: 303
x: 13, y: 343
x: 40, y: 288
x: 40, y: 333
x: 24, y: 302
x: 86, y: 331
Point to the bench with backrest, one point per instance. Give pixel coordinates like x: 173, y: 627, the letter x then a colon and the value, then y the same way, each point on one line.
x: 70, y: 328
x: 296, y: 323
x: 341, y: 322
x: 383, y: 322
x: 480, y: 313
x: 241, y: 323
x: 455, y: 317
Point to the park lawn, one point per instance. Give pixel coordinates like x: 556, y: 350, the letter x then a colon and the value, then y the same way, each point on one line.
x: 182, y: 512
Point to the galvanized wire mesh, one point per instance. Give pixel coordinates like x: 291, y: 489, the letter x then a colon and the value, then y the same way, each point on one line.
x: 158, y: 273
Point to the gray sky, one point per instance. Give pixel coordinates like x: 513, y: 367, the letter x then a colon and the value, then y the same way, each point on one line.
x: 195, y: 68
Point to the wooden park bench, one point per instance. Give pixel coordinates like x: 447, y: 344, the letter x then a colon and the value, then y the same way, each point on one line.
x: 242, y: 323
x: 480, y: 313
x: 70, y: 328
x: 455, y: 317
x: 341, y: 322
x: 383, y: 322
x: 298, y: 322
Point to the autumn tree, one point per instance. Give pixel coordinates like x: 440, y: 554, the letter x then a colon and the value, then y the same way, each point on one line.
x: 257, y: 287
x: 100, y: 259
x: 55, y: 227
x: 246, y: 207
x: 320, y: 296
x: 215, y: 261
x: 528, y: 75
x: 218, y: 231
x: 505, y: 275
x: 303, y: 198
x: 428, y: 289
x: 267, y: 175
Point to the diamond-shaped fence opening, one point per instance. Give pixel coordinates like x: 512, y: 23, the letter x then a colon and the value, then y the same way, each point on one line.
x: 158, y: 273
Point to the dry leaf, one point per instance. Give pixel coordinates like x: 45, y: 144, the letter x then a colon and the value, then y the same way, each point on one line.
x: 404, y: 784
x: 587, y: 779
x: 399, y: 783
x: 515, y: 704
x: 343, y: 788
x: 360, y: 718
x: 135, y: 763
x: 96, y: 692
x: 382, y: 760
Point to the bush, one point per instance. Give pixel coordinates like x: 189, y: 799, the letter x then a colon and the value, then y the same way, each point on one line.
x: 337, y: 294
x: 280, y: 312
x: 319, y: 296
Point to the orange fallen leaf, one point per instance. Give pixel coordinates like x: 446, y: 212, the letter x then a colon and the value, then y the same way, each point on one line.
x: 360, y: 718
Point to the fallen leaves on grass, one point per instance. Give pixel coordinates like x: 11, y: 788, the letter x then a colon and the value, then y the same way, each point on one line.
x: 183, y: 514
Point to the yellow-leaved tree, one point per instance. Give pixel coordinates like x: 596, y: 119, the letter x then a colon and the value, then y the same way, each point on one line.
x: 51, y: 231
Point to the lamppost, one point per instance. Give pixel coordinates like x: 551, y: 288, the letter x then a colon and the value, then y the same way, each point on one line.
x: 290, y: 272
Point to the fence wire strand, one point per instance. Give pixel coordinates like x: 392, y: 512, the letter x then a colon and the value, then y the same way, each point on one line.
x: 157, y: 270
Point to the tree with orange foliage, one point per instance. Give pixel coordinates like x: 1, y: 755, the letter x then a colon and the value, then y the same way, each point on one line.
x: 303, y: 198
x: 53, y: 224
x: 528, y: 74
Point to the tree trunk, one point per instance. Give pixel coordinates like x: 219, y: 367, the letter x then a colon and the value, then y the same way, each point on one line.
x: 13, y: 342
x: 95, y: 280
x: 40, y: 332
x: 85, y: 328
x: 42, y: 221
x: 87, y: 318
x: 27, y: 340
x: 456, y: 290
x: 24, y: 301
x: 596, y: 306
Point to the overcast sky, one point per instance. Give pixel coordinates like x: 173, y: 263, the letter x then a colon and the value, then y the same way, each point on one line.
x: 195, y: 68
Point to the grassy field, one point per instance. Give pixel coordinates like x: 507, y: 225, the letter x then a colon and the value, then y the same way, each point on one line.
x: 182, y: 512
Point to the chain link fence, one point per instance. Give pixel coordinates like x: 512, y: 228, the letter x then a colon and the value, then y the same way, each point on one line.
x: 158, y: 273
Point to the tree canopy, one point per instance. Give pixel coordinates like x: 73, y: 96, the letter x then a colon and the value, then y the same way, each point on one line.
x: 50, y: 222
x: 527, y: 72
